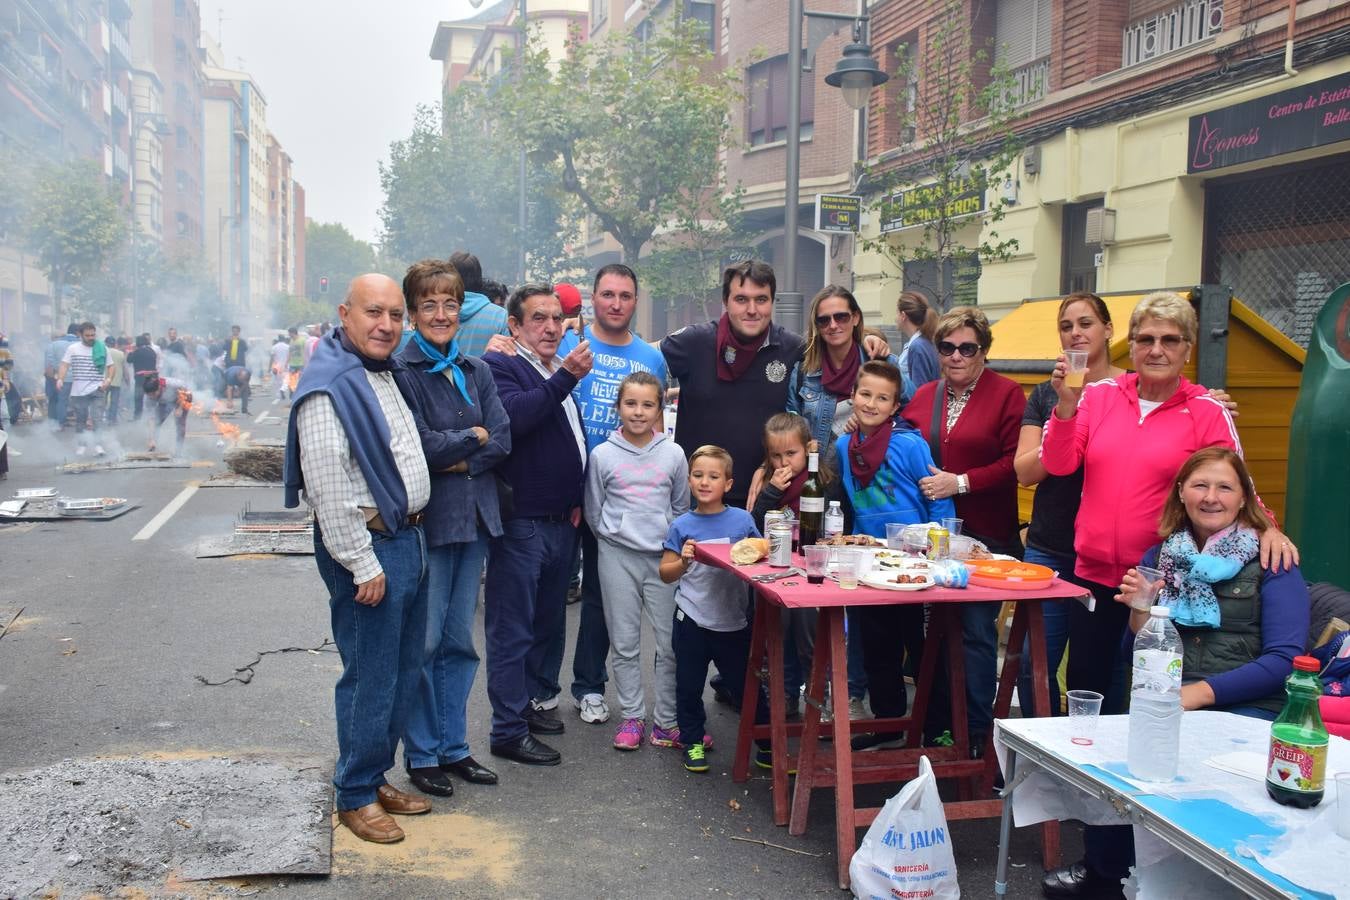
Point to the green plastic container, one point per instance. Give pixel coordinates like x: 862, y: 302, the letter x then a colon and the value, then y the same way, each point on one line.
x: 1317, y: 507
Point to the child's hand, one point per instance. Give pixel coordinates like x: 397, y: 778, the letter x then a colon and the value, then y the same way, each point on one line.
x: 687, y: 552
x: 781, y: 478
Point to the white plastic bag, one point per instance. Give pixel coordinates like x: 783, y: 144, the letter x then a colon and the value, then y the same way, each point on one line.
x: 908, y: 851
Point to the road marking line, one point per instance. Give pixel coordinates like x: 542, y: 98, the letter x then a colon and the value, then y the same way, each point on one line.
x: 167, y: 512
x: 264, y: 414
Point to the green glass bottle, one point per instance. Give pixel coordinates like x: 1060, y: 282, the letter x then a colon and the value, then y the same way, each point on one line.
x: 1297, y: 765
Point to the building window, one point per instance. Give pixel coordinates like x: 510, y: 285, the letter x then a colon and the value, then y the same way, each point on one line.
x: 767, y: 116
x: 181, y: 136
x: 599, y: 13
x: 180, y: 8
x: 902, y: 91
x: 1022, y: 38
x: 705, y: 13
x: 1171, y: 29
x: 181, y: 224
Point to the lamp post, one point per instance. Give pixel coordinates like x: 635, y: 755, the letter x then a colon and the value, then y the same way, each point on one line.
x: 856, y: 74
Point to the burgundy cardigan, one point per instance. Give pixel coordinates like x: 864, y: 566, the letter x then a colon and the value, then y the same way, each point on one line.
x: 981, y: 447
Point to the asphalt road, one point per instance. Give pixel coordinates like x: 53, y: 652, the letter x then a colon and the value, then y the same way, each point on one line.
x: 102, y: 662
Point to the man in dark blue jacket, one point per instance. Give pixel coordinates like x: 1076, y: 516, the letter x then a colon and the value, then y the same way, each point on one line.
x: 530, y: 565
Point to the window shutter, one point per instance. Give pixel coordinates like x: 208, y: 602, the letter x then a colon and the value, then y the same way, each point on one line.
x: 778, y: 93
x: 1015, y: 30
x: 1042, y: 29
x: 809, y: 97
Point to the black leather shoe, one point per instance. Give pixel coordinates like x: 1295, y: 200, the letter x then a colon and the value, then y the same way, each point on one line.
x: 528, y: 751
x: 432, y: 780
x: 542, y: 721
x: 1078, y: 881
x: 469, y: 769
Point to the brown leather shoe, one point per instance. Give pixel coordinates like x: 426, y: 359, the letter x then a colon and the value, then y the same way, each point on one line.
x: 401, y: 804
x: 371, y: 823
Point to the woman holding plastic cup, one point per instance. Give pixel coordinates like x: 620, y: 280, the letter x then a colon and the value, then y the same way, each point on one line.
x: 1241, y: 625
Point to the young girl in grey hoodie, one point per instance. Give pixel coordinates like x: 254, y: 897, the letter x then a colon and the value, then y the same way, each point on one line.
x: 637, y: 482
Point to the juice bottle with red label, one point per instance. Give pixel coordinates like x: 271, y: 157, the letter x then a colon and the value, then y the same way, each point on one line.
x: 1297, y: 765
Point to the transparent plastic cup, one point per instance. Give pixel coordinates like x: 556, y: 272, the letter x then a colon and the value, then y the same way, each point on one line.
x: 817, y: 561
x: 1085, y: 708
x: 953, y: 525
x: 1145, y: 597
x: 895, y: 535
x: 1077, y: 361
x: 849, y: 568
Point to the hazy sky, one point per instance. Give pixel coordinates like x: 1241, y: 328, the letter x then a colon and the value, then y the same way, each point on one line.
x: 342, y: 79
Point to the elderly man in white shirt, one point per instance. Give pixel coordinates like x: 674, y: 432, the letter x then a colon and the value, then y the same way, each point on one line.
x: 354, y: 451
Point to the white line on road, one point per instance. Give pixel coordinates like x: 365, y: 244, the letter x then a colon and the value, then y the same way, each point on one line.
x: 264, y: 414
x: 167, y: 512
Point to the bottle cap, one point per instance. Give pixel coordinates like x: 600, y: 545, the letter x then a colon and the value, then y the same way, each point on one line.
x: 1307, y: 664
x: 1164, y: 612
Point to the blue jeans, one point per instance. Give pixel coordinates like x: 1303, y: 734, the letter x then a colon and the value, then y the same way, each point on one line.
x: 525, y: 610
x: 857, y: 675
x: 437, y: 724
x: 588, y: 657
x: 696, y: 647
x: 979, y: 637
x: 1056, y: 616
x: 381, y: 650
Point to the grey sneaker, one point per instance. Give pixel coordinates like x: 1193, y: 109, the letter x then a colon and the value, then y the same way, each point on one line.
x: 857, y: 709
x: 550, y: 703
x: 593, y: 709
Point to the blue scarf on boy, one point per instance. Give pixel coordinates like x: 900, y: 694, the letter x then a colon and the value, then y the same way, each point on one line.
x: 1189, y: 572
x: 443, y: 361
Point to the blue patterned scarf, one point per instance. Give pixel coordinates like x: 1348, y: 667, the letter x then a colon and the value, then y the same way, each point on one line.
x: 443, y: 361
x: 1189, y: 572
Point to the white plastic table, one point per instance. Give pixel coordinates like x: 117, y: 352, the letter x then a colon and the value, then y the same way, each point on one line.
x: 1215, y: 814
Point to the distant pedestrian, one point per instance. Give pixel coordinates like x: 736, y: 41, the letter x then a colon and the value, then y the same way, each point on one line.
x: 117, y: 365
x: 56, y: 351
x: 143, y: 364
x: 281, y: 354
x: 353, y: 449
x: 86, y: 364
x: 479, y: 318
x: 167, y: 397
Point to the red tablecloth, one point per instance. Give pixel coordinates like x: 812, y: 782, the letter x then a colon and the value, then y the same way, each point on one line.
x: 795, y: 593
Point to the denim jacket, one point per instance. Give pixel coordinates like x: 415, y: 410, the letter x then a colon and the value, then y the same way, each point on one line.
x: 808, y: 398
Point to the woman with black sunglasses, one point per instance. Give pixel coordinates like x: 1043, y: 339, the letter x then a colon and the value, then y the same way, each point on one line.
x: 970, y: 418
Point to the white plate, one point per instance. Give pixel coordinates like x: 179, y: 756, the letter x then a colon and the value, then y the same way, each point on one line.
x: 881, y: 580
x: 42, y: 493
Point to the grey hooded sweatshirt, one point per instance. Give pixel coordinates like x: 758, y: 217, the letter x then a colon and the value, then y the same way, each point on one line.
x: 634, y: 493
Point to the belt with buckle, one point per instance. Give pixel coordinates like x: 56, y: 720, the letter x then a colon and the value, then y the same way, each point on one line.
x: 376, y: 523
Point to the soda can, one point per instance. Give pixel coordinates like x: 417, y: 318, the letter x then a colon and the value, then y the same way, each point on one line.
x: 939, y: 543
x: 780, y: 545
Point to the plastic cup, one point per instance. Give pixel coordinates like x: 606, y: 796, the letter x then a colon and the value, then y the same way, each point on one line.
x: 1085, y: 708
x: 1077, y: 361
x: 895, y: 535
x: 1143, y: 599
x: 1343, y: 804
x: 817, y: 561
x: 953, y: 525
x: 914, y: 540
x: 962, y: 546
x: 849, y: 567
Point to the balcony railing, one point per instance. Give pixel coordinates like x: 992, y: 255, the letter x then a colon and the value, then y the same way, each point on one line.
x: 121, y: 47
x: 1173, y: 29
x: 121, y: 163
x: 1029, y: 83
x: 119, y: 103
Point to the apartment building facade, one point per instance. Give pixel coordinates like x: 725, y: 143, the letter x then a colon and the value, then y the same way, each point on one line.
x: 1166, y: 143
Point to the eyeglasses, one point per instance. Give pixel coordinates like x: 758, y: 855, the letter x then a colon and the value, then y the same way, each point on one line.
x: 430, y: 308
x: 838, y: 318
x: 1168, y: 341
x: 947, y: 348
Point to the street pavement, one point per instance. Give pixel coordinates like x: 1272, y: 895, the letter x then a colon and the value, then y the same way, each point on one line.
x: 104, y: 662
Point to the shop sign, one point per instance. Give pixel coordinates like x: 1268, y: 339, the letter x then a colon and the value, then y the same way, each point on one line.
x: 928, y: 203
x: 838, y: 213
x: 1297, y: 119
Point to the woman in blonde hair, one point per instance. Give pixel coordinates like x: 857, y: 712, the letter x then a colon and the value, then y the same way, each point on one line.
x: 918, y: 322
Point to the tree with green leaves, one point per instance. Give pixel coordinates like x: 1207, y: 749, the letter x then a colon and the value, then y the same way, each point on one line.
x: 635, y: 128
x: 333, y: 252
x: 941, y: 204
x: 684, y: 263
x: 72, y: 223
x: 453, y: 184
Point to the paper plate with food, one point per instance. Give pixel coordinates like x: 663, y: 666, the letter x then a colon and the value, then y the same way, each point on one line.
x: 914, y: 576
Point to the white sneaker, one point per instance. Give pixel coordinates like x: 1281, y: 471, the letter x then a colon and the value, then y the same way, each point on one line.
x: 857, y: 709
x: 550, y: 703
x: 593, y: 709
x: 99, y: 451
x: 79, y: 451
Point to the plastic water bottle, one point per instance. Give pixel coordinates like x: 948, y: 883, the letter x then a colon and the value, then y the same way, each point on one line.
x: 1155, y: 699
x: 834, y: 522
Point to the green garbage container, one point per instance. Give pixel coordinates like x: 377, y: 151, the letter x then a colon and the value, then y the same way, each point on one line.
x: 1317, y: 508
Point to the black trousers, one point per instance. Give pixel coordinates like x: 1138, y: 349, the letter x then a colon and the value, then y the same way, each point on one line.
x: 695, y: 647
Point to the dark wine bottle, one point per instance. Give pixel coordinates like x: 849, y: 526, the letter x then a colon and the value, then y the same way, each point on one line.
x: 811, y: 508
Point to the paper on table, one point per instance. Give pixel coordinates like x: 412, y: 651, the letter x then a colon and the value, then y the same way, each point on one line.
x: 1301, y: 855
x: 1247, y: 764
x: 11, y: 508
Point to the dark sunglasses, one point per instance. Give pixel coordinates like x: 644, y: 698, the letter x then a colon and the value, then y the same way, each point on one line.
x: 838, y: 318
x: 1168, y: 341
x: 947, y: 348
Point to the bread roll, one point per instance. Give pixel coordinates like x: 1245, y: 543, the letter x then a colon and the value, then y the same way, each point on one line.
x: 749, y: 550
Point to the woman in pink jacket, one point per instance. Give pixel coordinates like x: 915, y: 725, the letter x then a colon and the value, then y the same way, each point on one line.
x: 1131, y: 434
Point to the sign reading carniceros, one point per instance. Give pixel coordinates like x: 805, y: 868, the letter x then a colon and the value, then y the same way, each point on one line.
x: 1296, y: 119
x: 929, y: 202
x: 838, y: 213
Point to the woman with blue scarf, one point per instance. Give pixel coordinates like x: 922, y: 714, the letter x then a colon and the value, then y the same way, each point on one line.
x: 1241, y: 625
x: 465, y: 434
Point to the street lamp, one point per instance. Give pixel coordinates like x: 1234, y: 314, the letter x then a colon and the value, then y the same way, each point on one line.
x: 856, y: 73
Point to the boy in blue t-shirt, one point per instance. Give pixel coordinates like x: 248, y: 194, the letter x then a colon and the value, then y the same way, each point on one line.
x: 710, y: 623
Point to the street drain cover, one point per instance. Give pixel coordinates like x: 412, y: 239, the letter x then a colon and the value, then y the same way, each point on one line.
x: 102, y: 825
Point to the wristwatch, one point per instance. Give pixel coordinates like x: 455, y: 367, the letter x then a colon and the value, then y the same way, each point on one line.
x: 962, y: 484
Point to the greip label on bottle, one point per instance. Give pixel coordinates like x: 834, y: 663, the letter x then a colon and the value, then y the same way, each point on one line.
x: 1297, y: 767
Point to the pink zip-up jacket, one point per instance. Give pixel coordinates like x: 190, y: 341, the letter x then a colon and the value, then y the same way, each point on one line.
x: 1130, y: 462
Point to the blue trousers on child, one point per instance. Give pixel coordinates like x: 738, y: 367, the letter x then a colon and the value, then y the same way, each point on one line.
x: 695, y: 647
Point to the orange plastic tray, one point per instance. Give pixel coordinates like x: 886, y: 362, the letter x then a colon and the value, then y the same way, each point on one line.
x: 1009, y: 574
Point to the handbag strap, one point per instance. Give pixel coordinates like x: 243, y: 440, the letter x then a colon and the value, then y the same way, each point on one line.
x: 935, y: 429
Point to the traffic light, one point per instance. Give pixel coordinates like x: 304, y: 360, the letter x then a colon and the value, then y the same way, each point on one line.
x: 323, y: 284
